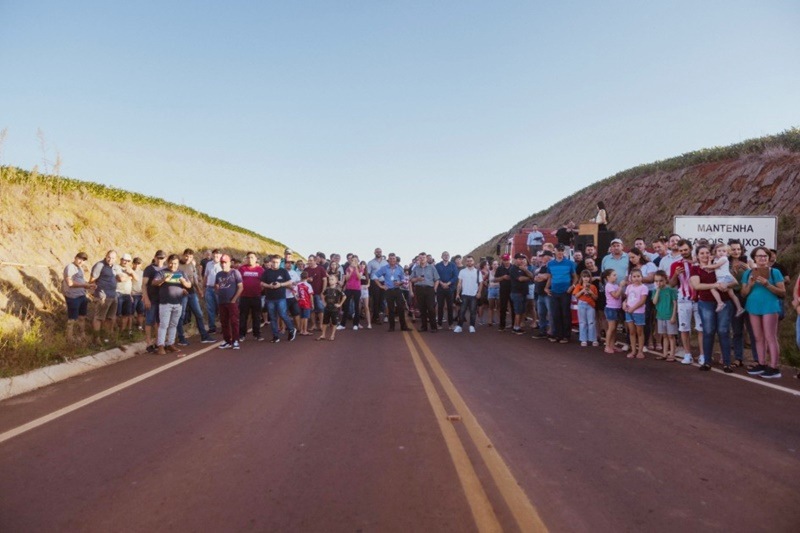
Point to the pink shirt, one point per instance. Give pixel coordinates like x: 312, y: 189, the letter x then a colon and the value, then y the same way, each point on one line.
x: 611, y: 302
x: 634, y: 295
x: 353, y: 277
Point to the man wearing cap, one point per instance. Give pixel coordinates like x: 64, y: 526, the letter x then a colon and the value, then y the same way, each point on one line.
x: 105, y: 275
x: 74, y: 287
x: 276, y: 280
x: 520, y: 278
x: 448, y: 280
x: 210, y: 272
x: 543, y: 303
x: 228, y: 286
x: 559, y: 287
x: 150, y: 297
x: 426, y: 280
x: 502, y: 275
x: 190, y: 302
x: 616, y: 260
x: 124, y: 293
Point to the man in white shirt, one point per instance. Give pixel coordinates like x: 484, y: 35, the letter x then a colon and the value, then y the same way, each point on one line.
x: 468, y: 291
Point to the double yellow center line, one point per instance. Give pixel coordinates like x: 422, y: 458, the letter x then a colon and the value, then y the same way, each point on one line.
x: 524, y: 513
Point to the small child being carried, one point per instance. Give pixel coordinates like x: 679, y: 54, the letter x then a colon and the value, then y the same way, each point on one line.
x: 722, y: 270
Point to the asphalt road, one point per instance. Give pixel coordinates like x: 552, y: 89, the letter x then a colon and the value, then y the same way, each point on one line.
x: 403, y: 432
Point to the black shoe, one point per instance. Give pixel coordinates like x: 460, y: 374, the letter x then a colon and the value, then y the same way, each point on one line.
x: 771, y: 373
x: 151, y: 348
x: 705, y: 368
x: 212, y: 330
x: 727, y: 370
x: 539, y: 335
x: 756, y: 370
x: 275, y: 340
x: 293, y: 335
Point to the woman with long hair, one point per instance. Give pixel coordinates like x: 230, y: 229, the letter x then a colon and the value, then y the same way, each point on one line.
x: 352, y: 291
x: 601, y: 218
x: 493, y: 294
x: 714, y: 322
x: 365, y: 282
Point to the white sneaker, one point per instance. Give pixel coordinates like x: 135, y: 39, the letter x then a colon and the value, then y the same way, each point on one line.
x: 701, y: 359
x: 457, y: 329
x: 355, y: 328
x: 472, y: 329
x: 339, y: 328
x: 687, y: 359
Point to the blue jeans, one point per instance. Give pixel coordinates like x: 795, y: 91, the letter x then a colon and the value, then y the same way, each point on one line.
x: 277, y: 308
x: 586, y: 326
x: 212, y: 304
x: 518, y: 302
x: 719, y: 324
x: 543, y: 310
x: 467, y: 303
x: 192, y: 303
x: 738, y: 323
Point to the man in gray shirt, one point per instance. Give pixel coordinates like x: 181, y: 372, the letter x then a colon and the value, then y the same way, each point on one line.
x: 376, y: 294
x: 425, y: 278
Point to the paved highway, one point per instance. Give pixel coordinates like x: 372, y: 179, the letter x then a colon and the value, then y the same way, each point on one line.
x: 402, y: 432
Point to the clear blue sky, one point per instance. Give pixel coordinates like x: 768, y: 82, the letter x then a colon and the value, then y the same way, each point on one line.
x: 338, y: 126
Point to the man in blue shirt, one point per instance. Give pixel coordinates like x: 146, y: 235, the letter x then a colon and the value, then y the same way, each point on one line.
x: 559, y: 287
x: 390, y: 279
x: 448, y: 279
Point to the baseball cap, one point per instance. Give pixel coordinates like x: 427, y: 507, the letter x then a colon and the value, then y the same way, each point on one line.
x: 560, y: 247
x: 225, y: 259
x: 547, y: 253
x: 520, y: 256
x: 127, y: 257
x: 615, y: 241
x: 505, y: 257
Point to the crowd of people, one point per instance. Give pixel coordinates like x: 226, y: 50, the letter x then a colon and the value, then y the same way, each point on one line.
x: 653, y: 298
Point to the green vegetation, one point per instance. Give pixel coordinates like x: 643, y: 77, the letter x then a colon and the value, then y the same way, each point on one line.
x: 60, y: 185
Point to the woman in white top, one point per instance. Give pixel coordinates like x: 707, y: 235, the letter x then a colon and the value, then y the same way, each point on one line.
x: 602, y: 217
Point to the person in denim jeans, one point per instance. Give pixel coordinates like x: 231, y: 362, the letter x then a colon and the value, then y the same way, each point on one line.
x: 468, y: 290
x: 543, y: 304
x: 738, y: 323
x: 212, y: 303
x: 714, y: 322
x: 276, y: 280
x: 521, y: 278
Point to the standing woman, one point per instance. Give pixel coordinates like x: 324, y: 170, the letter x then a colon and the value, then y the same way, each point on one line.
x: 600, y: 303
x: 493, y: 294
x: 483, y: 301
x: 602, y: 217
x: 764, y: 288
x: 352, y: 292
x: 739, y: 265
x: 365, y: 293
x: 714, y: 322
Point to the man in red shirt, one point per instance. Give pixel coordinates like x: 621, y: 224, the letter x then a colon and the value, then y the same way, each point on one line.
x: 318, y: 278
x: 250, y: 300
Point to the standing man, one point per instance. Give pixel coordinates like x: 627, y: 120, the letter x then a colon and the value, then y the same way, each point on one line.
x: 535, y: 241
x: 210, y: 272
x: 470, y: 281
x: 250, y: 301
x: 680, y: 276
x: 502, y: 275
x: 228, y: 286
x: 673, y: 254
x: 150, y: 297
x: 190, y: 302
x: 543, y: 303
x: 125, y: 294
x: 276, y: 280
x: 105, y: 275
x: 74, y: 288
x: 520, y: 278
x: 448, y: 279
x: 376, y: 293
x: 559, y: 287
x: 318, y: 279
x: 390, y: 278
x: 425, y: 278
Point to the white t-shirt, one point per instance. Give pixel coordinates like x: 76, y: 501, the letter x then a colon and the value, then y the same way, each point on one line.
x: 724, y: 270
x: 470, y: 280
x: 294, y: 276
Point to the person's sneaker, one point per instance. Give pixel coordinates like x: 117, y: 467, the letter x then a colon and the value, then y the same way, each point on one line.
x: 563, y: 341
x: 701, y: 360
x: 184, y: 342
x: 756, y: 370
x: 339, y: 328
x: 241, y: 338
x: 259, y: 338
x: 687, y: 359
x: 293, y: 335
x: 771, y: 373
x: 552, y: 339
x: 584, y: 344
x: 355, y: 328
x: 386, y: 320
x: 457, y: 329
x: 275, y: 340
x: 225, y: 346
x: 472, y: 329
x: 595, y: 343
x: 208, y: 340
x: 151, y: 349
x: 539, y: 335
x: 727, y: 369
x: 517, y: 331
x: 235, y: 345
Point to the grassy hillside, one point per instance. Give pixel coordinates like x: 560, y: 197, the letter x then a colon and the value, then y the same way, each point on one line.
x: 756, y: 177
x: 46, y: 220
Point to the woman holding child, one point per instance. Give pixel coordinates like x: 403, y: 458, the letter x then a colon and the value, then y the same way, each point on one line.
x: 715, y: 322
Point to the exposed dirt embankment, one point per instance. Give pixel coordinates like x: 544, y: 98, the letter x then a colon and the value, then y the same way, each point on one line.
x: 644, y: 205
x: 43, y: 224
